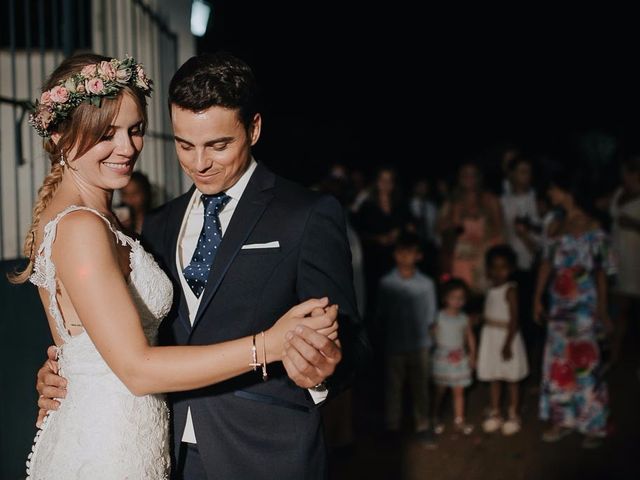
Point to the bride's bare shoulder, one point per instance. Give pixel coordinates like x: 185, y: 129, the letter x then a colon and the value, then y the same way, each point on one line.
x: 83, y: 232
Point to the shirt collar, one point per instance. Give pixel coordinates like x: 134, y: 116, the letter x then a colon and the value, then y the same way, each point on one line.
x: 235, y: 191
x: 238, y: 188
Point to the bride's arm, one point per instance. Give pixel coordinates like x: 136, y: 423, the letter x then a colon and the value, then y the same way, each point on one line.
x: 87, y: 265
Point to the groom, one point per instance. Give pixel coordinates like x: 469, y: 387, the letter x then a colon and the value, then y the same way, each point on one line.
x: 280, y: 244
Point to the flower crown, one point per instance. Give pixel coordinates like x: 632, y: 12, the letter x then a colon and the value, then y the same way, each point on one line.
x: 91, y: 85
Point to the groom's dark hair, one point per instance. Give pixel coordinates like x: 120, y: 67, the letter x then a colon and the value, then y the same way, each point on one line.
x: 215, y: 80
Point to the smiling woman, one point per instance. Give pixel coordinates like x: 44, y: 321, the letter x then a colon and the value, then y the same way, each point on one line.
x: 111, y: 161
x: 87, y: 131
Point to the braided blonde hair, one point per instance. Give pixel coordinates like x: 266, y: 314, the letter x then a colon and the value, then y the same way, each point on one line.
x: 82, y: 129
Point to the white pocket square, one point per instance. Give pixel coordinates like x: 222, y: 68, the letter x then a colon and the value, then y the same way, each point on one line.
x: 253, y: 246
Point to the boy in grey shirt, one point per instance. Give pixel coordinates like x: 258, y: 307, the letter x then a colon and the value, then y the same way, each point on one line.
x: 406, y: 309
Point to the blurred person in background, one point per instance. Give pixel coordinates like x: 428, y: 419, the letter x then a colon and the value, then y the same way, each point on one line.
x: 379, y: 221
x: 424, y: 211
x: 470, y: 223
x: 406, y: 310
x: 425, y: 215
x: 573, y: 276
x: 454, y: 357
x: 136, y: 196
x: 361, y: 190
x: 522, y: 226
x: 502, y: 357
x: 625, y: 235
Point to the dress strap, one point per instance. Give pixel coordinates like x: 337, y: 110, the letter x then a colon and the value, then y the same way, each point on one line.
x: 44, y: 274
x: 50, y: 228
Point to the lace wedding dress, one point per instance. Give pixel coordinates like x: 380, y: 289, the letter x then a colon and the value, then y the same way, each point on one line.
x: 102, y: 430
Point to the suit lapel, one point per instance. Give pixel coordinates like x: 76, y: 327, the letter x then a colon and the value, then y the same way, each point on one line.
x: 173, y: 232
x: 252, y: 205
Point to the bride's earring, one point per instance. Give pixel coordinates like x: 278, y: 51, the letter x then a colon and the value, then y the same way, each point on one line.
x: 62, y: 161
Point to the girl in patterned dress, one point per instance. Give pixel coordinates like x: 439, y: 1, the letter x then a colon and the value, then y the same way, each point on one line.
x: 452, y: 361
x: 576, y: 260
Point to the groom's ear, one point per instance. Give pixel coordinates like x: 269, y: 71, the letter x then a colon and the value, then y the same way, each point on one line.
x: 255, y: 128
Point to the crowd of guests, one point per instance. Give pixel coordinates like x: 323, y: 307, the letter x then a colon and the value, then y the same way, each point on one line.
x: 461, y: 283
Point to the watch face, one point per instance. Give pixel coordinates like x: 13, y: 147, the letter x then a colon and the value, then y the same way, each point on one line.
x: 321, y: 387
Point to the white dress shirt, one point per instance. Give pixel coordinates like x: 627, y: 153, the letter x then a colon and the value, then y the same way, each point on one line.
x: 516, y: 205
x: 187, y: 241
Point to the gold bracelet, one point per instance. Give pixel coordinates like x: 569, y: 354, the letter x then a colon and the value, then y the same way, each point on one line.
x: 254, y: 356
x: 264, y: 353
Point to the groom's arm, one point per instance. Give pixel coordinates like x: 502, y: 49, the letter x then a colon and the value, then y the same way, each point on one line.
x: 324, y: 269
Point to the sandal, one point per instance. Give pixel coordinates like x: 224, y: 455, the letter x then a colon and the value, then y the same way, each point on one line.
x: 511, y: 426
x: 460, y: 426
x: 493, y: 423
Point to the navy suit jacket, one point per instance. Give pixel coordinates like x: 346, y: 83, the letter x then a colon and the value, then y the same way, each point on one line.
x: 247, y: 428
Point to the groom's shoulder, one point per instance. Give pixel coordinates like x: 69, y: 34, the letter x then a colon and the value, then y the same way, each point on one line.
x: 300, y: 200
x: 296, y: 194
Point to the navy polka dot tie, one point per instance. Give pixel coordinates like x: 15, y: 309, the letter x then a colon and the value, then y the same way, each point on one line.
x: 197, y: 271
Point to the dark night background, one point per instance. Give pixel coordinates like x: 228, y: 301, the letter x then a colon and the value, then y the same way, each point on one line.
x: 424, y: 87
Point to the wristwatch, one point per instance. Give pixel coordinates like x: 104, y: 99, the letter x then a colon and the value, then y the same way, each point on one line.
x: 320, y: 388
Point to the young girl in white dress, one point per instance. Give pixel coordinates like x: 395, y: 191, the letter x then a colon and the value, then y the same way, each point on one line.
x: 502, y: 356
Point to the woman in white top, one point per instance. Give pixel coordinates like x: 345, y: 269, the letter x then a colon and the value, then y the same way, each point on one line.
x: 520, y: 213
x: 625, y: 236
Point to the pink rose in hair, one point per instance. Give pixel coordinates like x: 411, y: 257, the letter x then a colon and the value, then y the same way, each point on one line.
x: 88, y: 71
x: 59, y: 94
x: 45, y: 98
x: 107, y: 70
x: 123, y: 75
x: 95, y: 86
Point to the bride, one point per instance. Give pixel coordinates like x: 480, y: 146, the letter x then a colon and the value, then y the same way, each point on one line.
x: 105, y: 296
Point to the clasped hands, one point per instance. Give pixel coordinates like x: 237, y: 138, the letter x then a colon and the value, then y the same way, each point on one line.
x: 311, y: 356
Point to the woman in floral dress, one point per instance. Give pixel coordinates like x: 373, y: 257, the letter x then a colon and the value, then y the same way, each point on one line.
x: 576, y: 261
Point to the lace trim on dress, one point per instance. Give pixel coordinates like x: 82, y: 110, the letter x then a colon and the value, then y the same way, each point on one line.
x: 152, y: 294
x: 44, y: 270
